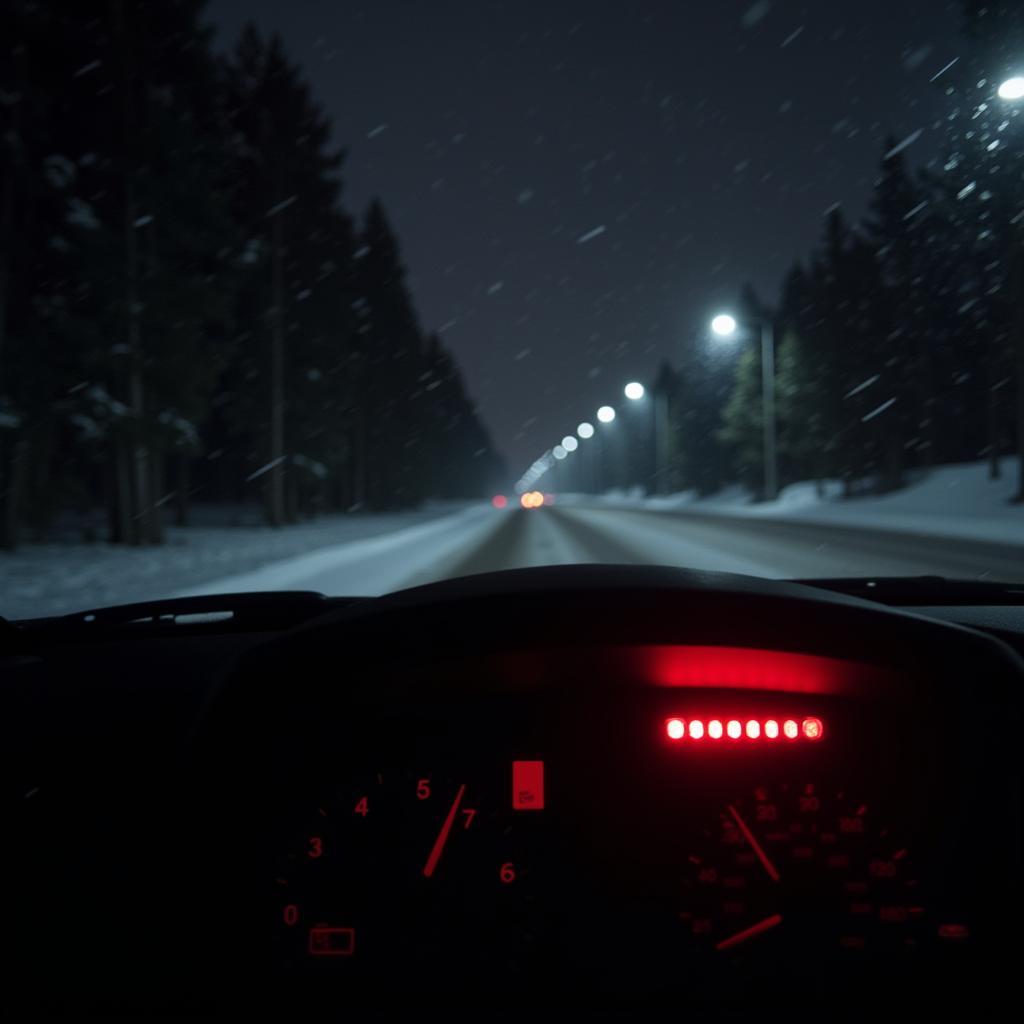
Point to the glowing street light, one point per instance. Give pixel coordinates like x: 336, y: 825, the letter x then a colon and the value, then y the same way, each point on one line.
x: 606, y: 414
x: 559, y: 452
x: 634, y: 391
x: 585, y: 430
x: 1012, y: 88
x: 569, y: 443
x: 724, y: 325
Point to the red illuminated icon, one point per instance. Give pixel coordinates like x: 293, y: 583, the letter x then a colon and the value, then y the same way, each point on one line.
x: 753, y: 730
x: 734, y: 730
x: 790, y: 729
x: 324, y: 941
x: 771, y: 729
x: 954, y: 931
x: 696, y: 730
x: 675, y: 728
x: 715, y: 729
x: 812, y: 728
x: 528, y: 785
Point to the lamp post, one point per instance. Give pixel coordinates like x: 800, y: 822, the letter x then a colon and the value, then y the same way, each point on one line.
x: 655, y: 401
x: 725, y: 326
x: 1012, y: 91
x: 605, y: 416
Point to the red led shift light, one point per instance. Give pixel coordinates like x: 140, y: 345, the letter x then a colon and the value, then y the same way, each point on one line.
x: 749, y: 729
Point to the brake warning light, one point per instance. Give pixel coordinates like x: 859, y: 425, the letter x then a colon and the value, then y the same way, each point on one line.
x: 747, y: 729
x: 528, y: 785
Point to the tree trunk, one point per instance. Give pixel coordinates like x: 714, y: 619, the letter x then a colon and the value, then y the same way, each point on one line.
x: 121, y: 526
x: 156, y: 496
x: 1018, y: 343
x: 142, y: 507
x: 181, y: 495
x: 992, y: 403
x: 14, y: 460
x: 275, y: 488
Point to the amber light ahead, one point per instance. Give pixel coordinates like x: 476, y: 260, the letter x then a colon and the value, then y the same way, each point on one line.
x: 755, y: 730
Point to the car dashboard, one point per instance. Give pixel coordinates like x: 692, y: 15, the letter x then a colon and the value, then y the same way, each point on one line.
x: 592, y: 786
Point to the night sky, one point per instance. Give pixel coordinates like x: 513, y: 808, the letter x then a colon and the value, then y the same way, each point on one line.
x: 577, y: 186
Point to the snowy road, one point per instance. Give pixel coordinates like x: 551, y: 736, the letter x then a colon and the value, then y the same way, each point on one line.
x: 481, y: 540
x: 374, y: 554
x: 755, y: 546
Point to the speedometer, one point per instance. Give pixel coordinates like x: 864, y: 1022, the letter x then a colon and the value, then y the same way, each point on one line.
x: 804, y: 867
x: 404, y: 872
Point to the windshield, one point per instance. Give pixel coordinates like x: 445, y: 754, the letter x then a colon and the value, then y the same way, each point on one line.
x: 350, y: 297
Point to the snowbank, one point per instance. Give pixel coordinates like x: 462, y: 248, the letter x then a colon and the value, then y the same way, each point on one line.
x: 949, y: 501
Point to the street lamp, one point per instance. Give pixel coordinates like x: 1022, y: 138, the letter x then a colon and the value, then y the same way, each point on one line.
x: 634, y: 391
x: 1012, y: 88
x: 725, y: 326
x: 585, y: 430
x: 569, y: 443
x: 606, y: 414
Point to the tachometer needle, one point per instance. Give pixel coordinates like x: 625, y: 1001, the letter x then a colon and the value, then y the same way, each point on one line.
x: 754, y: 844
x: 749, y: 933
x: 442, y: 836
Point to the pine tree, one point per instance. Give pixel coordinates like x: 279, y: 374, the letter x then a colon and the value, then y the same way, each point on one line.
x: 984, y: 195
x: 390, y: 358
x: 287, y: 190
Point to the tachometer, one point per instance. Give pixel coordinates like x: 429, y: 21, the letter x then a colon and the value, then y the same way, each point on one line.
x: 403, y: 872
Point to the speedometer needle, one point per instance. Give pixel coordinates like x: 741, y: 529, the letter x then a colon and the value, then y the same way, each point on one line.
x: 755, y: 845
x: 750, y: 933
x: 442, y: 836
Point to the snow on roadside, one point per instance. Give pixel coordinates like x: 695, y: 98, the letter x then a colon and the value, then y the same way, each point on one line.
x: 57, y: 578
x: 372, y: 566
x: 957, y: 501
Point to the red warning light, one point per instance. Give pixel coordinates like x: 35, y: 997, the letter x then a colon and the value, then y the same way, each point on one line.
x: 812, y: 728
x: 528, y: 785
x: 499, y: 501
x: 754, y: 729
x: 324, y: 941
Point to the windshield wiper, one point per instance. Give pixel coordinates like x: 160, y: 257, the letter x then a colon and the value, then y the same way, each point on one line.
x: 917, y: 591
x: 247, y: 612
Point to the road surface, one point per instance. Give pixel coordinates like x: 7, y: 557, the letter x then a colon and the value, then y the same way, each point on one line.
x: 481, y: 539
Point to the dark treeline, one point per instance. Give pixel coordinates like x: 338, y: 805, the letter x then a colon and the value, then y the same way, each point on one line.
x: 900, y: 341
x: 186, y: 308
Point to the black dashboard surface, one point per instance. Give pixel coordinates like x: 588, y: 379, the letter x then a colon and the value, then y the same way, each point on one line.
x: 480, y: 787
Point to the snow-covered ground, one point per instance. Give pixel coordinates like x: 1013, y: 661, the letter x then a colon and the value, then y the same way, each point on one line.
x: 55, y: 578
x: 948, y: 501
x: 372, y: 554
